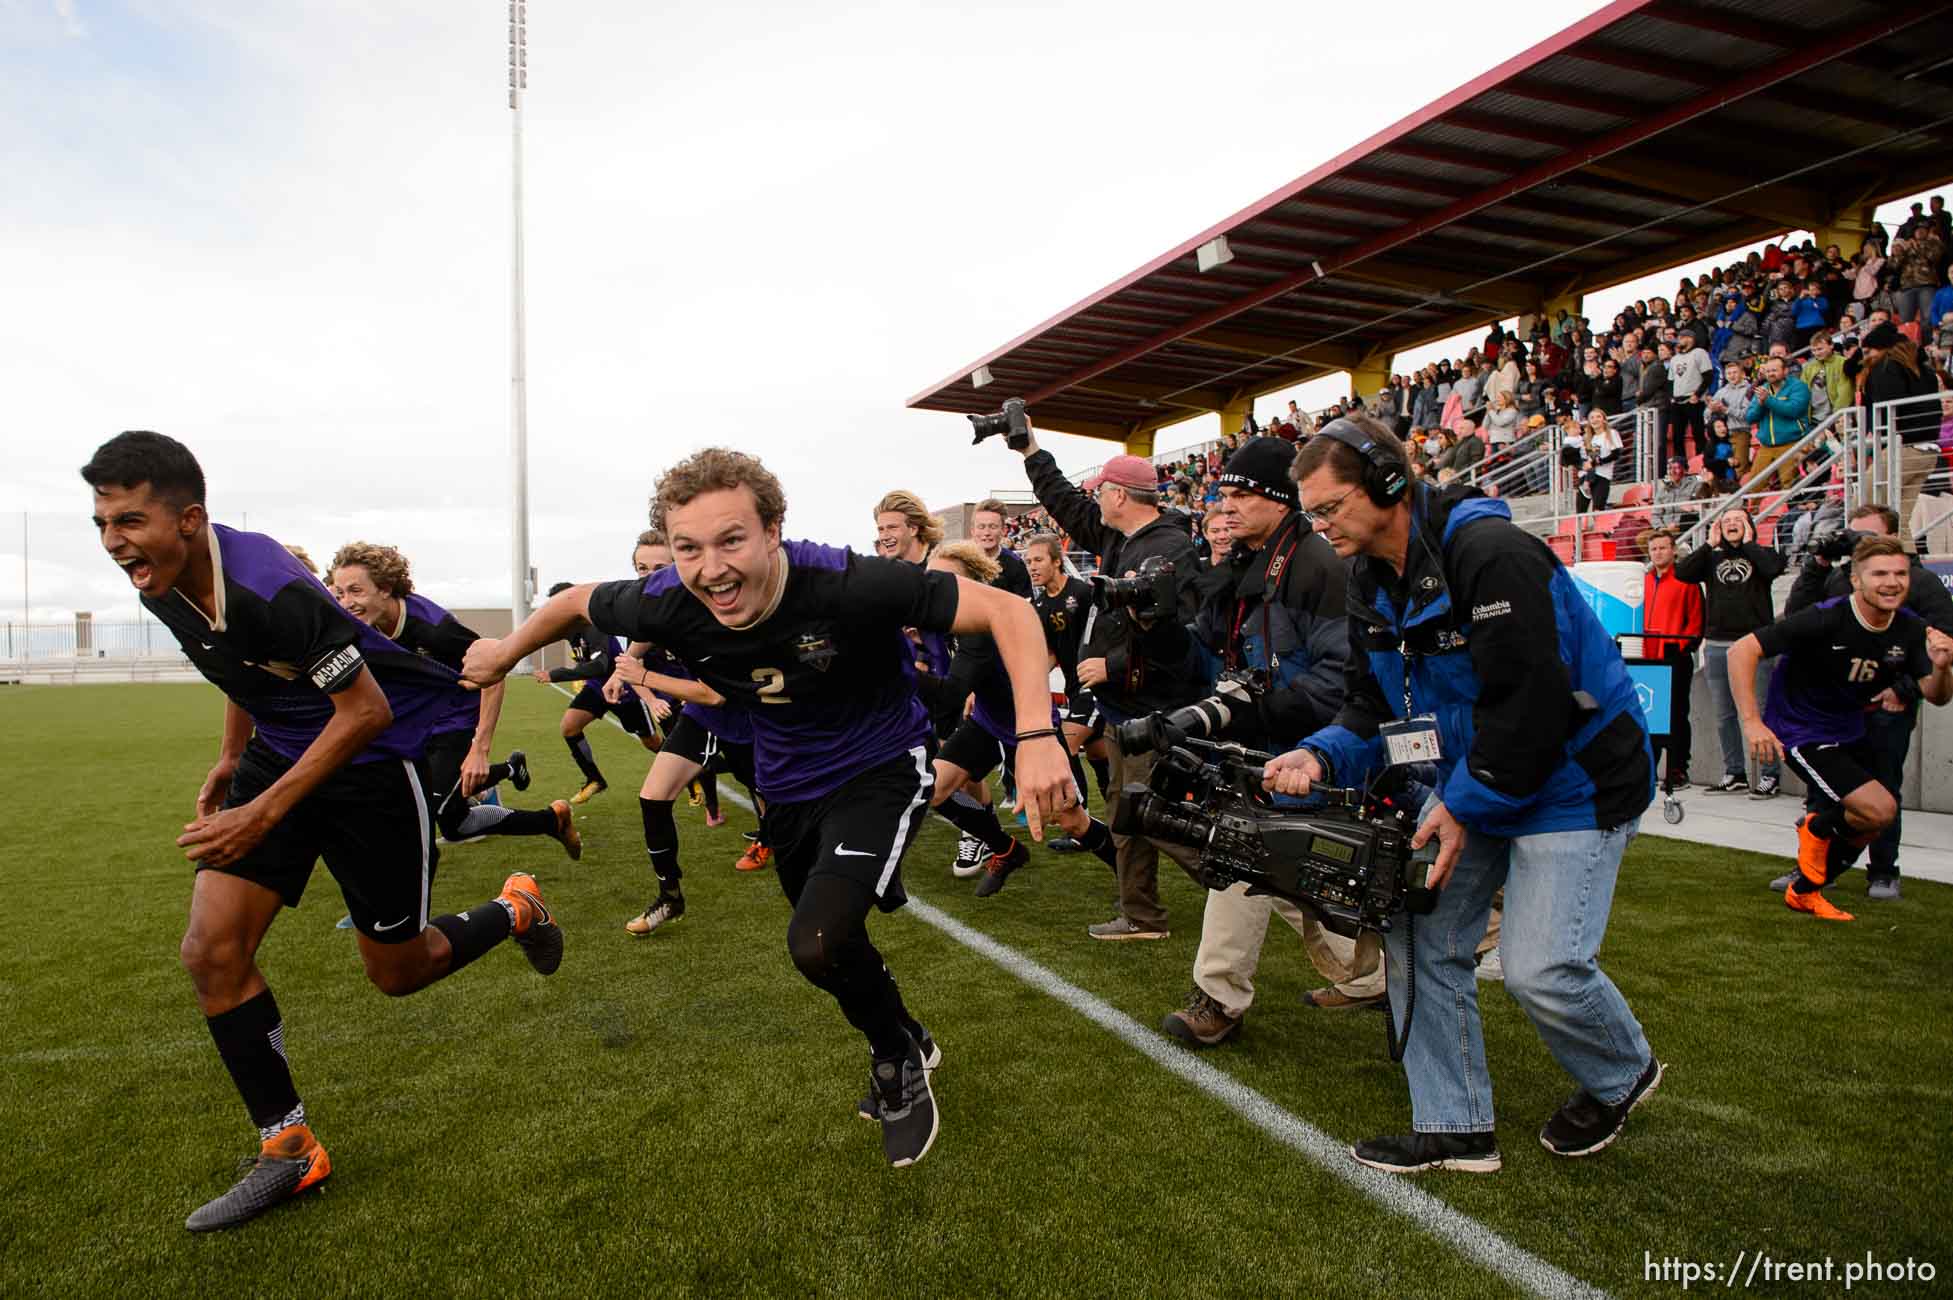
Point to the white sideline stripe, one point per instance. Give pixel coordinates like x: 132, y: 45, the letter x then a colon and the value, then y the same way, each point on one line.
x: 1393, y: 1192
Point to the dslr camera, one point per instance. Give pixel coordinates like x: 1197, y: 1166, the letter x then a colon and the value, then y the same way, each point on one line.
x: 1149, y: 593
x: 1235, y: 694
x: 1013, y: 422
x: 1348, y: 859
x: 1836, y: 546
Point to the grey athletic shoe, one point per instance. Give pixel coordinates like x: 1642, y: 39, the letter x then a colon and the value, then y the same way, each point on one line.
x: 908, y: 1106
x: 1884, y: 889
x: 1784, y: 882
x: 1119, y: 929
x: 870, y: 1106
x: 289, y: 1162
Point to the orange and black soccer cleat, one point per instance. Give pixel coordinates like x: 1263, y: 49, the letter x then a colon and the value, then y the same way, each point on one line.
x: 756, y: 858
x: 535, y: 931
x: 289, y: 1162
x: 566, y: 833
x: 1816, y: 904
x: 1813, y: 851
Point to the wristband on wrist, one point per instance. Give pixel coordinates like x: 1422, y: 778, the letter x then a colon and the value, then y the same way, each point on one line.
x: 1038, y: 733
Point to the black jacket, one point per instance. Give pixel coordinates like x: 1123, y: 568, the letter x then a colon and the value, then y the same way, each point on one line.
x: 1145, y: 670
x: 1735, y: 586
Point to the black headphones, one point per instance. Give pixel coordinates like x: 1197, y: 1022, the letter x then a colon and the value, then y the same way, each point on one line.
x: 1385, y: 477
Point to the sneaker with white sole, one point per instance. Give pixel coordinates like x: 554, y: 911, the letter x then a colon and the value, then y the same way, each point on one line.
x: 1492, y: 965
x: 1584, y: 1126
x: 870, y: 1106
x: 1883, y: 890
x: 1767, y: 787
x: 971, y: 857
x: 1729, y: 785
x: 1119, y: 929
x: 907, y: 1106
x: 658, y: 913
x: 1413, y: 1153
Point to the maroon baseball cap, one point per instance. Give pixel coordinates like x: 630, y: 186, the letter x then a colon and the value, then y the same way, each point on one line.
x: 1125, y: 471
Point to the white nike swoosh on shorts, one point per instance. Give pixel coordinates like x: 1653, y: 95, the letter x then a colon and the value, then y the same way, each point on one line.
x: 396, y: 925
x: 843, y: 851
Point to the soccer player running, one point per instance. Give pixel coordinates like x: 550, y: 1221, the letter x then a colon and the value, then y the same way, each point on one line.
x: 1064, y: 605
x: 375, y: 585
x: 324, y: 727
x: 703, y: 733
x: 1839, y: 659
x: 809, y: 641
x: 593, y: 657
x: 986, y: 737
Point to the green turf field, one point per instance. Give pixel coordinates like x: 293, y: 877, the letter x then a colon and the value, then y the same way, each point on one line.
x: 676, y: 1116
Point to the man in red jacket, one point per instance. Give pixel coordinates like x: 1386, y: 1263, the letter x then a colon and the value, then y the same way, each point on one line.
x: 1671, y: 620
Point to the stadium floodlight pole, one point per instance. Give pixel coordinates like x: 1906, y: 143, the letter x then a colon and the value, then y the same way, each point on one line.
x: 520, y: 588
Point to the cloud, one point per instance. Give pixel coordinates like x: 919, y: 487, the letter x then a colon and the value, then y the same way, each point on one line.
x: 70, y: 21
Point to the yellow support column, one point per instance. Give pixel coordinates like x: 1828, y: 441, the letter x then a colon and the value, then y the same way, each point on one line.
x: 1368, y: 378
x: 1140, y: 443
x: 1235, y: 415
x: 1570, y: 303
x: 1846, y: 228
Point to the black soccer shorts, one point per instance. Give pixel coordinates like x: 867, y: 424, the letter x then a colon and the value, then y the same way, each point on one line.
x: 370, y: 823
x: 859, y: 831
x: 632, y: 713
x: 1830, y: 772
x: 973, y: 749
x: 1083, y: 711
x: 687, y: 737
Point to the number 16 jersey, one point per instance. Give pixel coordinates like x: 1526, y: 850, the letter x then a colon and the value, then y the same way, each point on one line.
x: 1833, y: 666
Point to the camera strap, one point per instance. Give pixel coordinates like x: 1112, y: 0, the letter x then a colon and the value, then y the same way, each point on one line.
x: 1270, y: 587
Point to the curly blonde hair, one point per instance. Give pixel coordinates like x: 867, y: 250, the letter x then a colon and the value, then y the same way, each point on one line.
x: 387, y: 567
x: 969, y: 557
x: 716, y: 469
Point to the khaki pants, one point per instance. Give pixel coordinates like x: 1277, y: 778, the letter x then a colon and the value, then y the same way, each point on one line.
x: 1764, y: 457
x: 1139, y: 858
x: 1739, y: 452
x: 1915, y: 464
x: 1234, y: 928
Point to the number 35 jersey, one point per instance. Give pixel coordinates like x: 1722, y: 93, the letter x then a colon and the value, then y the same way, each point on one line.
x: 827, y: 679
x: 1832, y: 666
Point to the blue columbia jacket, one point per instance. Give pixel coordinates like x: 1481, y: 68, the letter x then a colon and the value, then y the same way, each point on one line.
x: 1537, y: 718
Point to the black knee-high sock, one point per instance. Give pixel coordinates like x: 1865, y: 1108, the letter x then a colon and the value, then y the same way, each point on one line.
x: 980, y: 822
x: 661, y: 842
x: 519, y: 821
x: 250, y: 1038
x: 475, y: 931
x: 586, y: 761
x: 497, y: 773
x: 828, y: 941
x: 1098, y: 839
x: 1102, y: 769
x: 1828, y: 823
x: 708, y: 785
x: 1078, y: 779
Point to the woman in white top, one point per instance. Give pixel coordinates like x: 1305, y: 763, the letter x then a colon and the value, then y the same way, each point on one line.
x: 1502, y: 422
x: 1604, y: 448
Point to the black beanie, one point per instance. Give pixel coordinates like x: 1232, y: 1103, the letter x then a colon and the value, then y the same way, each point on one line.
x: 1261, y: 465
x: 1883, y: 335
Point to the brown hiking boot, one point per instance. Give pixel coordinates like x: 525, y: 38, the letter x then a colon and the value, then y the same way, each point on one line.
x: 1202, y: 1023
x: 1334, y: 999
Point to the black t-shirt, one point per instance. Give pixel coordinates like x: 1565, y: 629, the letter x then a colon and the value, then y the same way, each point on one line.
x: 827, y: 680
x: 280, y: 647
x: 1014, y: 577
x: 1832, y: 667
x: 432, y: 632
x: 1063, y: 616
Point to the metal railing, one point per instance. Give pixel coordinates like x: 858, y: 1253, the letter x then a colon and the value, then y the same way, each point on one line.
x: 1846, y: 425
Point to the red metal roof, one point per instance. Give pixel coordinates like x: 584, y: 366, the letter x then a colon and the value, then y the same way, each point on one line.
x: 1649, y: 134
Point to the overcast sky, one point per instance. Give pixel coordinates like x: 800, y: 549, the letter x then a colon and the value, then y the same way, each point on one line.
x: 280, y: 232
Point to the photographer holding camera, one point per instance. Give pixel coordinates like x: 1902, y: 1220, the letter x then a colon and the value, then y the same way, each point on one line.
x: 1118, y: 517
x: 1888, y: 732
x: 1470, y: 643
x: 1277, y: 616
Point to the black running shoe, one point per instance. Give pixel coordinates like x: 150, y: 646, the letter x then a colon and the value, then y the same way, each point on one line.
x: 1412, y: 1153
x: 870, y: 1106
x: 1584, y: 1126
x: 908, y: 1107
x: 1729, y: 785
x: 999, y: 867
x: 518, y: 769
x: 1064, y: 844
x: 289, y: 1162
x: 1767, y: 787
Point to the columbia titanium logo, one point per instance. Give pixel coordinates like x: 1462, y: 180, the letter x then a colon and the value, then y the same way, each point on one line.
x: 1495, y: 609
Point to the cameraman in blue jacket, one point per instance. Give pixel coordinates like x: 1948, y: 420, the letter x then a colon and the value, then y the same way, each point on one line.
x: 1468, y: 638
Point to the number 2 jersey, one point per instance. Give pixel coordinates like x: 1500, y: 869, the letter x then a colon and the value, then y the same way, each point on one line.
x: 1831, y: 668
x: 827, y: 680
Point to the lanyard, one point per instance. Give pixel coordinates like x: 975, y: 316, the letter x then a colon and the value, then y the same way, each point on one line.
x: 1270, y: 584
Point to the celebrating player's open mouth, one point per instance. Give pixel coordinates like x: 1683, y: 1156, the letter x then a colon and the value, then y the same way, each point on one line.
x: 142, y: 535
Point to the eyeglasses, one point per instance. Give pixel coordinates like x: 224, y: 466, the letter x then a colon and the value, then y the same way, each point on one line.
x: 1327, y: 513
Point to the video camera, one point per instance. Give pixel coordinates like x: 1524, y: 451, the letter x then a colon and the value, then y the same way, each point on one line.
x: 1149, y: 593
x: 1013, y: 422
x: 1836, y: 546
x: 1235, y: 693
x: 1349, y: 860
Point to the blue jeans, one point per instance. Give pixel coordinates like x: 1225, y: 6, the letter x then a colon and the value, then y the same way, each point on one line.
x: 1729, y: 732
x: 1559, y: 888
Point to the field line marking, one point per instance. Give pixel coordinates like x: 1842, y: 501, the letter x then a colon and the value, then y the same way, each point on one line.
x: 1456, y: 1229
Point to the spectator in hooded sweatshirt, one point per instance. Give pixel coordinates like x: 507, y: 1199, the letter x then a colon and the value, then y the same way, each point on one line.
x: 1735, y: 573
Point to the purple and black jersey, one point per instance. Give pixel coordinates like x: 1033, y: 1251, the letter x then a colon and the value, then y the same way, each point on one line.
x: 722, y: 720
x: 1833, y: 666
x: 977, y: 671
x: 593, y: 657
x: 1063, y: 617
x: 430, y: 631
x: 826, y: 681
x: 280, y: 647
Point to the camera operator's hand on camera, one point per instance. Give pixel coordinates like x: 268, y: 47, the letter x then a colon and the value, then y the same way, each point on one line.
x: 1091, y: 672
x: 1451, y: 842
x: 1292, y: 773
